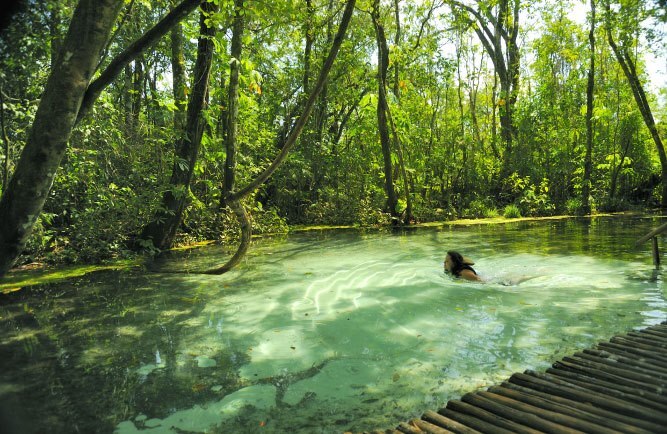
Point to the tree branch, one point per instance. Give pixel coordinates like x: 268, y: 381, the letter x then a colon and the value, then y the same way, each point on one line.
x: 130, y: 53
x: 301, y: 122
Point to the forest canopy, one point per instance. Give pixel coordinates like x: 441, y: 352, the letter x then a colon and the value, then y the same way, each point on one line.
x: 138, y: 125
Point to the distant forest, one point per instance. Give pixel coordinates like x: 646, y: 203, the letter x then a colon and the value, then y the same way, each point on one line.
x: 136, y: 125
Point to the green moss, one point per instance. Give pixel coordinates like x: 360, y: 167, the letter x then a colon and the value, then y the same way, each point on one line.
x: 17, y: 279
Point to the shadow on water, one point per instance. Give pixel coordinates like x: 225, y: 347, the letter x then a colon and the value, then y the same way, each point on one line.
x: 319, y: 332
x: 66, y: 349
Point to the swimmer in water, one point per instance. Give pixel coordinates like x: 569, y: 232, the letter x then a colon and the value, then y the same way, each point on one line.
x: 459, y: 266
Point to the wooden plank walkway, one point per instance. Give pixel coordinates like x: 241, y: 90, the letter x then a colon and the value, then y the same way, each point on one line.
x: 620, y: 386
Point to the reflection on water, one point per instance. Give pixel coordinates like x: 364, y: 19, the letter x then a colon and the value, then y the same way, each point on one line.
x: 326, y: 332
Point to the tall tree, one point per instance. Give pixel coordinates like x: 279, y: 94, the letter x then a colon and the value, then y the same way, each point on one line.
x: 178, y: 74
x: 623, y: 53
x: 162, y: 230
x: 383, y: 123
x: 590, y: 88
x: 498, y: 32
x: 233, y: 198
x: 24, y: 198
x: 68, y: 96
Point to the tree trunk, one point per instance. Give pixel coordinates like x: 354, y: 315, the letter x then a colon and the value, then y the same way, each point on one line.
x: 590, y: 87
x: 383, y: 128
x: 61, y: 101
x: 178, y: 74
x: 630, y: 72
x: 162, y: 230
x: 308, y: 30
x: 149, y: 38
x: 231, y: 128
x: 235, y: 197
x: 5, y: 142
x: 397, y: 42
x: 626, y: 141
x: 137, y: 89
x: 501, y: 46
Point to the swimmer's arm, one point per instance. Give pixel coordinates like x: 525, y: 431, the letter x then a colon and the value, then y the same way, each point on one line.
x: 469, y: 275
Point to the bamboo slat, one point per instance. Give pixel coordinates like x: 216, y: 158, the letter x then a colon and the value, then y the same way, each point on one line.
x: 625, y: 361
x: 552, y: 384
x: 618, y: 387
x: 627, y: 342
x: 561, y: 419
x: 586, y: 407
x: 616, y: 348
x: 595, y: 424
x: 520, y: 417
x: 408, y: 429
x: 639, y: 373
x: 654, y: 332
x: 619, y: 376
x: 430, y: 428
x: 477, y: 418
x: 641, y: 397
x: 447, y: 423
x: 657, y: 339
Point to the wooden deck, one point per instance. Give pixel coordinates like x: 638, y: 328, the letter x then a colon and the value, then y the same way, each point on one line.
x: 620, y: 386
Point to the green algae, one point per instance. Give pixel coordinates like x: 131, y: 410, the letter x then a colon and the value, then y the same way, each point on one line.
x: 15, y: 280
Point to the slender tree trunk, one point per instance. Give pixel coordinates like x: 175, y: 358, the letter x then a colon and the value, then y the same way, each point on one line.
x: 137, y: 89
x: 5, y: 142
x: 590, y: 87
x: 230, y: 142
x: 178, y: 74
x: 628, y: 66
x: 55, y: 35
x: 61, y: 101
x: 307, y: 52
x: 626, y: 141
x: 235, y: 197
x: 126, y: 96
x: 383, y: 129
x: 162, y: 230
x: 233, y: 99
x: 320, y: 117
x: 397, y: 42
x: 501, y: 44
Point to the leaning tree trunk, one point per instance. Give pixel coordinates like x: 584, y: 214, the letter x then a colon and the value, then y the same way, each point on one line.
x: 590, y: 87
x: 68, y: 93
x: 162, y: 230
x: 148, y: 39
x: 59, y: 106
x: 630, y: 72
x: 234, y: 198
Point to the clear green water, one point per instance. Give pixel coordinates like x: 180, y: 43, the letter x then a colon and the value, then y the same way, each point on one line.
x: 325, y: 332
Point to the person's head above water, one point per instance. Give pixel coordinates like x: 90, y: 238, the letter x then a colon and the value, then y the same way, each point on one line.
x: 460, y: 266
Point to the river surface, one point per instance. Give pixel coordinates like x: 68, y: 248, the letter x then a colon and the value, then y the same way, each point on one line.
x: 322, y: 332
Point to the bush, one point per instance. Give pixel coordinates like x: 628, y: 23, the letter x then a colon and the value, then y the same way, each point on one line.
x: 512, y: 212
x: 535, y: 200
x: 573, y: 206
x: 481, y: 208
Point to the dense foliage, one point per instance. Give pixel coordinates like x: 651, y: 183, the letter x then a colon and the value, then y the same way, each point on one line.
x: 451, y: 155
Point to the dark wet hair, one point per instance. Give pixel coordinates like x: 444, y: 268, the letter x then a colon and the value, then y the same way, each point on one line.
x: 458, y: 264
